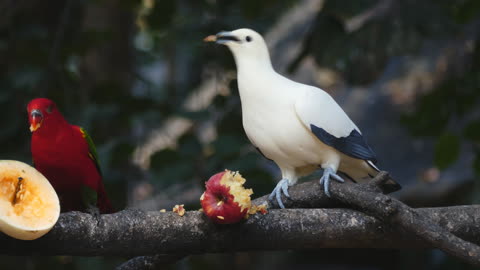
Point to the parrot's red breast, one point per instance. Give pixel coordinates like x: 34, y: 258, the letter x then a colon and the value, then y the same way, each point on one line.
x: 63, y: 154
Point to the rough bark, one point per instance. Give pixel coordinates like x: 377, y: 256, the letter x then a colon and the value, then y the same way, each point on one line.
x: 137, y: 233
x: 310, y: 195
x: 149, y: 262
x: 383, y: 222
x: 370, y: 200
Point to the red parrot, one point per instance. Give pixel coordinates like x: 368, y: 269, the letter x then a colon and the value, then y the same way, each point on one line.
x: 66, y: 156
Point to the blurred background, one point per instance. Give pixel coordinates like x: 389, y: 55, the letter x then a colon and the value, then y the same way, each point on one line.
x: 164, y: 111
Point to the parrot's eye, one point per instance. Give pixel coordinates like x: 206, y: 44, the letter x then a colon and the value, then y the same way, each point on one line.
x: 49, y: 109
x: 248, y: 38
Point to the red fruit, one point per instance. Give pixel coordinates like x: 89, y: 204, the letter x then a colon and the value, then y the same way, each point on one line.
x: 225, y: 200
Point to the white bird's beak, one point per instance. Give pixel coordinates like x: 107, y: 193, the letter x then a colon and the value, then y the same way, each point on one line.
x: 223, y: 38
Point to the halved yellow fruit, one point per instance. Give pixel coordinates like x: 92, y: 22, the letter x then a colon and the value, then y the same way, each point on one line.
x: 29, y: 206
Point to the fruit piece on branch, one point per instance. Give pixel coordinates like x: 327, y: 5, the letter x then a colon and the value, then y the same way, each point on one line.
x: 29, y: 206
x: 179, y: 209
x: 225, y: 200
x: 262, y: 209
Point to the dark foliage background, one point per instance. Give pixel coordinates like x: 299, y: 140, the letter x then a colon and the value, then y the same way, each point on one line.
x: 408, y: 74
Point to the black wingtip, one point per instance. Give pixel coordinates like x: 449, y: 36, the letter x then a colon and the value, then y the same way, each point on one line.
x: 391, y: 186
x: 353, y: 145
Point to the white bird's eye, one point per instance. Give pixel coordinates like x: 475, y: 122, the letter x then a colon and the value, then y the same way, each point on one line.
x: 248, y: 38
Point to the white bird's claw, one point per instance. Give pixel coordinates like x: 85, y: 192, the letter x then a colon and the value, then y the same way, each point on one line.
x: 325, y: 179
x: 282, y: 186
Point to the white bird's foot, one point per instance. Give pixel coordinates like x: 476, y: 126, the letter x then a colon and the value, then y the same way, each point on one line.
x: 282, y: 186
x: 325, y: 180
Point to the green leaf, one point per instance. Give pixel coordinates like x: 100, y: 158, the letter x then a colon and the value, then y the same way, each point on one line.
x: 465, y: 11
x: 472, y: 130
x: 227, y: 145
x: 162, y: 14
x: 476, y: 165
x: 447, y: 150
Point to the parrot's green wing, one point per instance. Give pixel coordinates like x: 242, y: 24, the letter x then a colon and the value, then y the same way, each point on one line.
x: 89, y: 195
x: 92, y: 151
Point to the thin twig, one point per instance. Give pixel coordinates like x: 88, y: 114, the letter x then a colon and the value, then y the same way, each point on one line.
x: 381, y: 8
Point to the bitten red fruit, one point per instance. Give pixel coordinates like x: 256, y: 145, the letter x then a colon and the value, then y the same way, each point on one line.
x: 225, y: 200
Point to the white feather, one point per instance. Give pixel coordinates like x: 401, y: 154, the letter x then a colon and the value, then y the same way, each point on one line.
x: 317, y: 107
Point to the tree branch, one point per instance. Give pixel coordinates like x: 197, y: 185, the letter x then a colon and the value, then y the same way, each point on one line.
x: 149, y: 262
x: 395, y: 226
x: 399, y: 214
x: 369, y: 199
x: 310, y: 195
x: 152, y: 233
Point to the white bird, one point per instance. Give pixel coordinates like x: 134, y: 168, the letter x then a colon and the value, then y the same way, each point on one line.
x: 299, y: 127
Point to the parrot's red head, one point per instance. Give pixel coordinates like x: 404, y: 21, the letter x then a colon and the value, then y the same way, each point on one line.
x: 40, y: 110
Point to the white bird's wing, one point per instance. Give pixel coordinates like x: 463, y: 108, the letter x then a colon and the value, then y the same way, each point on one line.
x: 319, y: 112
